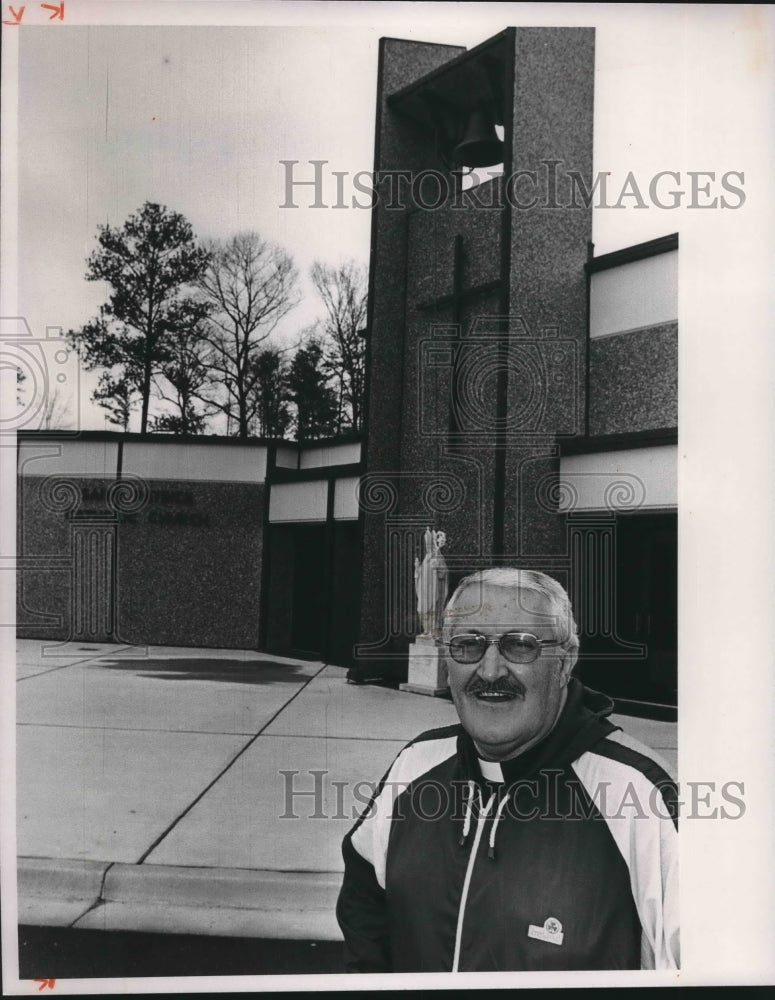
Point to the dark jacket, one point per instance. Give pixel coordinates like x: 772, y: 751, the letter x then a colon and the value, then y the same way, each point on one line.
x: 568, y: 862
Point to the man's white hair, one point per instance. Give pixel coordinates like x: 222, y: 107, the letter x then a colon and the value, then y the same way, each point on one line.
x: 512, y: 578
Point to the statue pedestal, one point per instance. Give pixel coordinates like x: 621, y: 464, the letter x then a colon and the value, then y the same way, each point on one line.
x: 427, y: 668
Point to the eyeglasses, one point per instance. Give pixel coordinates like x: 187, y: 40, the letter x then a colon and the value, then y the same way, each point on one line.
x: 516, y: 647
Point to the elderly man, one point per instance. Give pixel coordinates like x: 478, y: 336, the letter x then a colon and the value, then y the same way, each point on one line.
x: 534, y: 835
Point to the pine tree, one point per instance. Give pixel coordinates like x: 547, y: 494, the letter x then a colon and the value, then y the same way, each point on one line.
x: 272, y: 394
x: 150, y: 263
x: 314, y: 399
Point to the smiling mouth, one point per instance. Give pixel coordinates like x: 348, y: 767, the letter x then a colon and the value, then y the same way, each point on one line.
x: 495, y: 697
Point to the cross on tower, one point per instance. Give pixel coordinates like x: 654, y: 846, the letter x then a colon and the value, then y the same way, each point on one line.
x: 457, y: 299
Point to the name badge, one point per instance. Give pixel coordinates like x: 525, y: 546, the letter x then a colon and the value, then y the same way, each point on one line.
x: 551, y: 931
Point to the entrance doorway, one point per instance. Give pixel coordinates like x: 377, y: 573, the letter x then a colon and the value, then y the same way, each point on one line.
x: 312, y: 590
x: 309, y: 603
x: 637, y: 659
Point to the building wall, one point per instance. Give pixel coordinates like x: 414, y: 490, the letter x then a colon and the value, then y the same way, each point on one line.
x: 189, y: 571
x: 633, y: 380
x: 154, y: 540
x: 174, y: 563
x: 477, y: 326
x: 633, y: 343
x: 634, y: 294
x: 64, y: 567
x: 625, y: 480
x: 399, y: 145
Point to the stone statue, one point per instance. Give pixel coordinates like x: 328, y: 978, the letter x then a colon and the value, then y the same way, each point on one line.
x: 430, y: 582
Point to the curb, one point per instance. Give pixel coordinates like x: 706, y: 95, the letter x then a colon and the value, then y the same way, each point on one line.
x: 178, y: 900
x: 54, y: 893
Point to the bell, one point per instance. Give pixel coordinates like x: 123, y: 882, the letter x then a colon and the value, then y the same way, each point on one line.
x: 480, y: 145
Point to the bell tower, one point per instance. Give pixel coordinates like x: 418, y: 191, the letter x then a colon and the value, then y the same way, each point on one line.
x: 477, y: 332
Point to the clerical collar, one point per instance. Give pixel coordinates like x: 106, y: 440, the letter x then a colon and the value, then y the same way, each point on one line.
x: 491, y: 770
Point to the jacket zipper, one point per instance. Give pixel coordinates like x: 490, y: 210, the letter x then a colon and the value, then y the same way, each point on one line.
x: 481, y: 820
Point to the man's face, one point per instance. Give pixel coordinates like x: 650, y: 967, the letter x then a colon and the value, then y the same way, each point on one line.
x: 506, y: 707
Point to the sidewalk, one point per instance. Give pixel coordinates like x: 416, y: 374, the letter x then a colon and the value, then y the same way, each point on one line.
x: 201, y: 791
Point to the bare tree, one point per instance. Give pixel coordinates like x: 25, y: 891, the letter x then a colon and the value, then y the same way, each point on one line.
x: 344, y: 291
x: 250, y: 285
x: 55, y: 415
x: 182, y: 376
x: 49, y: 401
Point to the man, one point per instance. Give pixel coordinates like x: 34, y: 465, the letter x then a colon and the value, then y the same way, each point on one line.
x: 534, y: 835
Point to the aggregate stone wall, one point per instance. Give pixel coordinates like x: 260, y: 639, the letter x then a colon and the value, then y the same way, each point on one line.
x: 162, y: 563
x: 477, y: 337
x: 633, y: 379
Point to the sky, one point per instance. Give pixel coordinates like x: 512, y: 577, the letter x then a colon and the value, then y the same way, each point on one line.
x: 195, y: 118
x: 199, y: 114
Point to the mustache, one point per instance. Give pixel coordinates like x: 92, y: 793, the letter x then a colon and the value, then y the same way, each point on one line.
x: 503, y: 685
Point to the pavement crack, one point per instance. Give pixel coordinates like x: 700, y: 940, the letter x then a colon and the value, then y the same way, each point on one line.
x: 223, y: 770
x: 99, y: 901
x: 75, y: 663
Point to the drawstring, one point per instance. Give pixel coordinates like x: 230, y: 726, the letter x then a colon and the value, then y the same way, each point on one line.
x: 484, y: 812
x: 475, y: 792
x: 472, y: 788
x: 495, y: 821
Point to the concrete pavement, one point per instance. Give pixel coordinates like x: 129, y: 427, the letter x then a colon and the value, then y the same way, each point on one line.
x: 200, y: 791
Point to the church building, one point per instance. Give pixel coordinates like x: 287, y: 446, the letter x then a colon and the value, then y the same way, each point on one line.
x: 521, y: 398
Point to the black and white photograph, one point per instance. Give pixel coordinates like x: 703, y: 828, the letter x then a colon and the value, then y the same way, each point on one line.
x: 386, y: 455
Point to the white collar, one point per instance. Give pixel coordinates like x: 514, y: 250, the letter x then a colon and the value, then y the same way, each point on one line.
x: 491, y: 770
